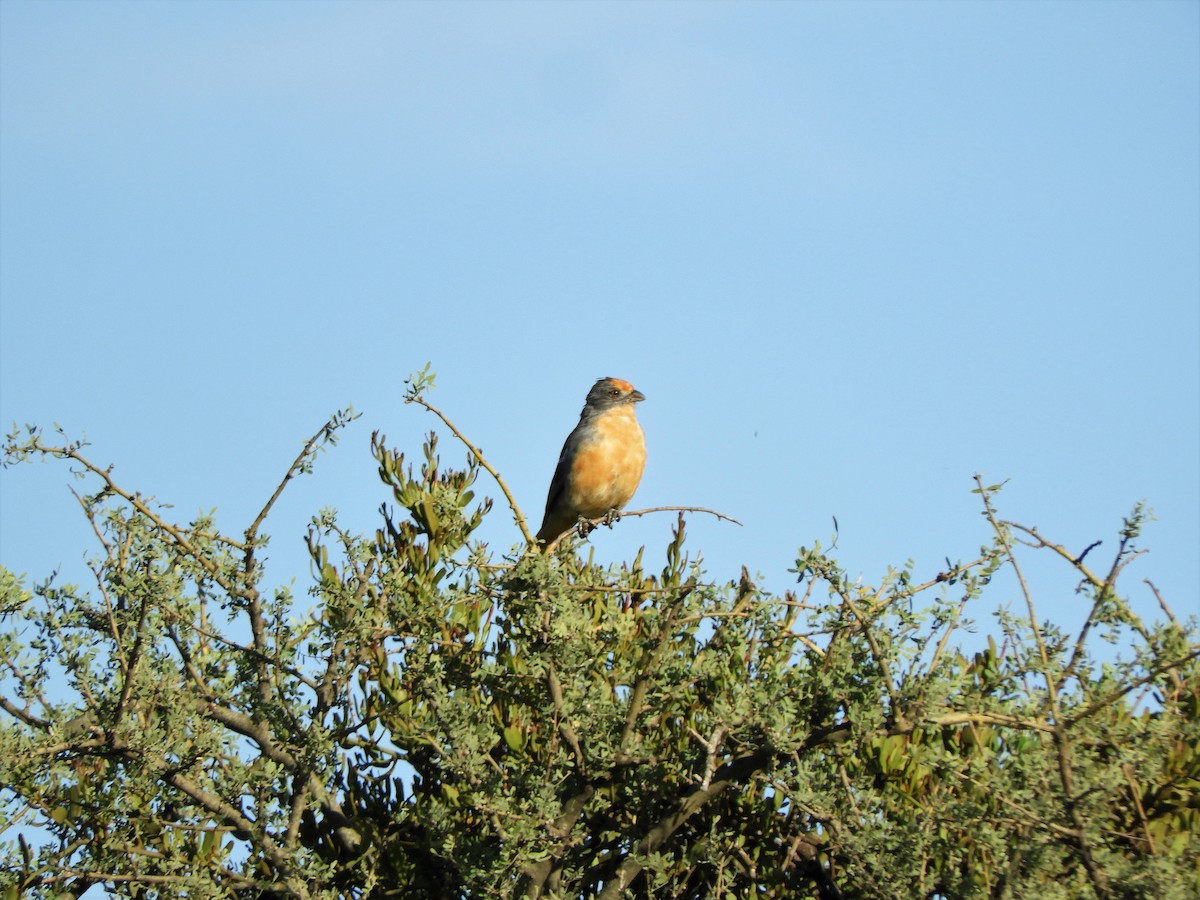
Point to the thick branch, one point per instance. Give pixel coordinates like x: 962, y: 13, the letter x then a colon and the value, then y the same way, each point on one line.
x: 734, y: 773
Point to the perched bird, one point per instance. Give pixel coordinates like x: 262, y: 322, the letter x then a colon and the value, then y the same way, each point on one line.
x: 601, y: 462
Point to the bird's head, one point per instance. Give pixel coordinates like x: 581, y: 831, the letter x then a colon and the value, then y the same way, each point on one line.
x: 611, y: 392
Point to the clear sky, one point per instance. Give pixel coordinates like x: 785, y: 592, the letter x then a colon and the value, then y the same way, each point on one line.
x: 852, y: 253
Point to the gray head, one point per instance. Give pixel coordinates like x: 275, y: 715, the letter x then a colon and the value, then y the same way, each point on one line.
x: 608, y: 393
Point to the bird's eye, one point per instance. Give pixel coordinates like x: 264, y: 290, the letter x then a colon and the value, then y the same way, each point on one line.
x: 614, y: 393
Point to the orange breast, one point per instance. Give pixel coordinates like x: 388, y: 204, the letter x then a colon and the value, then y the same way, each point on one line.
x: 608, y: 468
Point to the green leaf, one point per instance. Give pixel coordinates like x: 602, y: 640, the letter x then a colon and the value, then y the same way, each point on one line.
x: 515, y: 737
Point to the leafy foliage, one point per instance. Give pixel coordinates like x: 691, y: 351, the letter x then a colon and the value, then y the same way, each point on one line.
x: 436, y: 723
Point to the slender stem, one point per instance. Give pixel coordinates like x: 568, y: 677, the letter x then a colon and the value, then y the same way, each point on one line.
x: 474, y: 451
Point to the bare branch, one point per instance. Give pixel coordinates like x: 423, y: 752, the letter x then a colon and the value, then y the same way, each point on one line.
x: 479, y: 457
x: 586, y: 526
x: 629, y: 513
x: 325, y: 434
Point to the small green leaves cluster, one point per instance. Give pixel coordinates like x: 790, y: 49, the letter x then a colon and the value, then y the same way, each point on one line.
x: 437, y: 720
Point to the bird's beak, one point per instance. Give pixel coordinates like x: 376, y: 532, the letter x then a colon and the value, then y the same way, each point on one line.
x: 637, y: 396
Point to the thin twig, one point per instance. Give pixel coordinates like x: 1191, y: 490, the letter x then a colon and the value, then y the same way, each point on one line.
x: 1107, y: 699
x: 985, y: 718
x: 951, y: 626
x: 474, y: 451
x: 653, y: 509
x: 325, y: 433
x: 1161, y: 602
x: 178, y: 535
x: 1057, y: 548
x: 1136, y: 795
x: 585, y: 526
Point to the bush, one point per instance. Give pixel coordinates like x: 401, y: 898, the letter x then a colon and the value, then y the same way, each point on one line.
x: 439, y: 723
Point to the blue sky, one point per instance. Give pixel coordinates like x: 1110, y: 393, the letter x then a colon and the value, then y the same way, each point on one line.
x: 852, y: 253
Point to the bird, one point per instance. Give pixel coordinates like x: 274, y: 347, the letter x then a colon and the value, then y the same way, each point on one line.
x: 601, y: 462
